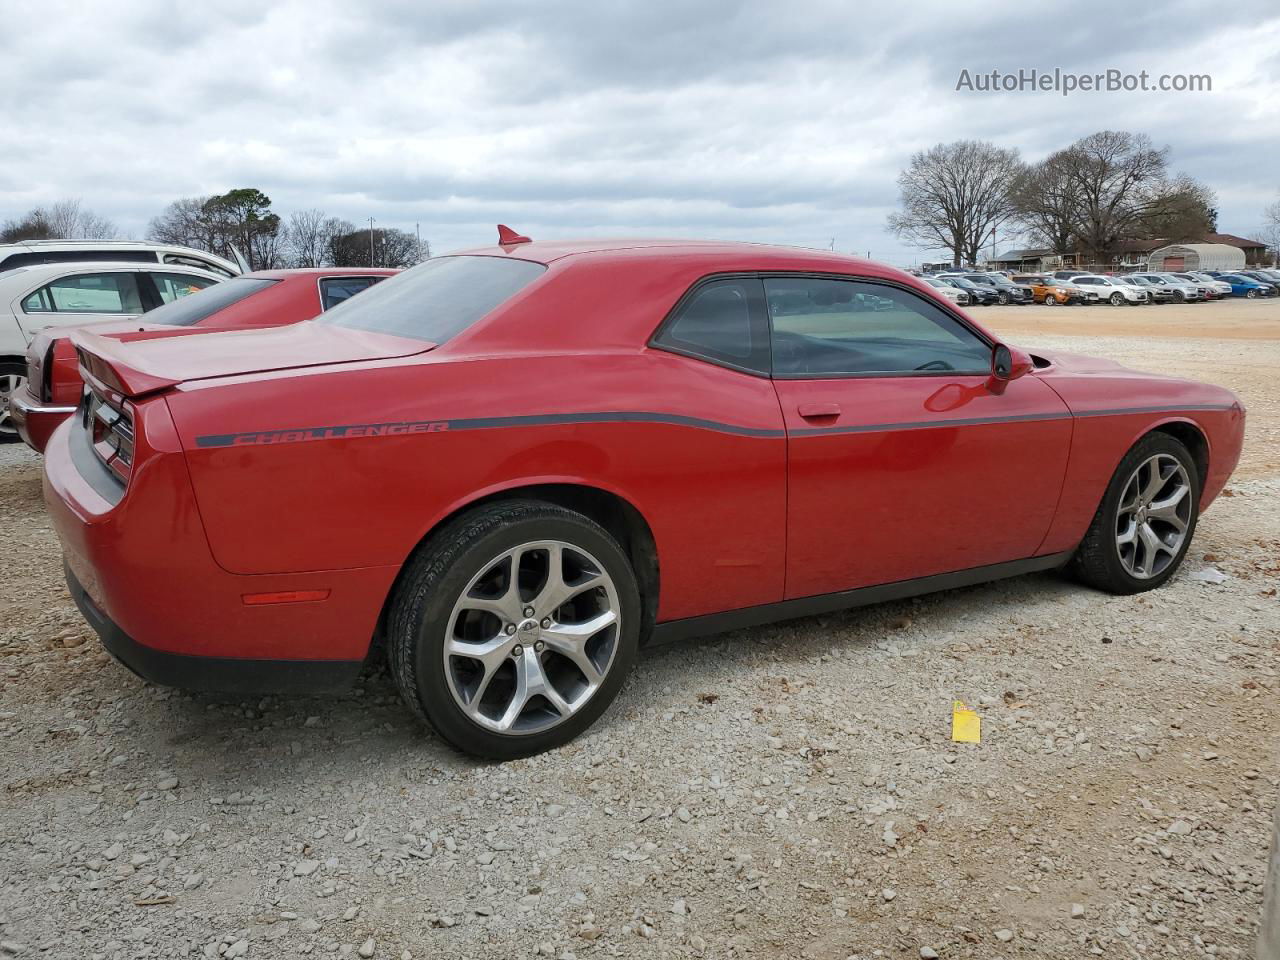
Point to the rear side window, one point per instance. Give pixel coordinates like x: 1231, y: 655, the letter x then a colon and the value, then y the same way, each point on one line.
x: 722, y: 321
x: 180, y: 261
x: 436, y: 300
x: 189, y: 310
x: 175, y: 286
x: 334, y: 290
x: 87, y: 293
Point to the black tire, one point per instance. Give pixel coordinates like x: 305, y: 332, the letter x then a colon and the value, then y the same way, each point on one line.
x: 1097, y: 559
x: 9, y: 369
x: 1117, y: 299
x: 432, y: 582
x: 1004, y: 299
x: 1251, y: 294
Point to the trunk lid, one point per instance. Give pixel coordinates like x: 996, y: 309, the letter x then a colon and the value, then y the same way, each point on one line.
x: 143, y: 366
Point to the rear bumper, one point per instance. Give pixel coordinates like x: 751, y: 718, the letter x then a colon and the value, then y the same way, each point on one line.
x: 36, y: 421
x: 212, y: 674
x: 141, y: 571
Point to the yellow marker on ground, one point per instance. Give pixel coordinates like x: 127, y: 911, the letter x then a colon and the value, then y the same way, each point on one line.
x: 966, y: 726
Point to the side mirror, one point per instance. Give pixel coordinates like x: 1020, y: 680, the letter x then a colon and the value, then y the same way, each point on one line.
x: 1007, y: 364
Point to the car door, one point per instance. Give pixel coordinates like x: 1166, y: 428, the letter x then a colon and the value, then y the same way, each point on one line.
x: 904, y: 458
x: 76, y: 298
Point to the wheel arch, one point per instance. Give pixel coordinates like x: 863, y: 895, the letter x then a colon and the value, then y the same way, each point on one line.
x: 1190, y: 435
x: 611, y: 509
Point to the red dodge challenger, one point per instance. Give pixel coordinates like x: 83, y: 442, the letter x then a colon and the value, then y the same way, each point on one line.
x: 267, y: 298
x: 517, y: 465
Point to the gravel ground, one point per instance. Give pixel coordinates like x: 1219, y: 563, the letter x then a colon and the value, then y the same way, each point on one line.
x: 789, y: 791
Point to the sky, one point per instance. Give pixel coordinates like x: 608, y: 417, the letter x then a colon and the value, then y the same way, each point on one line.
x: 763, y: 121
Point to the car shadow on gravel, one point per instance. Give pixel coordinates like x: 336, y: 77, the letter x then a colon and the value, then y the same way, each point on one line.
x: 236, y: 746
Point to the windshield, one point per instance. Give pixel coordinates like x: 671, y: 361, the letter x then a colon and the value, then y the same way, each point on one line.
x: 438, y: 299
x: 189, y: 310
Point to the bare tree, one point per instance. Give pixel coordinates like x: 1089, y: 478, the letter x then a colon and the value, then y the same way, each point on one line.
x: 309, y: 237
x: 1046, y: 203
x: 184, y: 223
x: 1181, y: 209
x: 954, y: 195
x: 63, y: 220
x: 1118, y: 179
x: 391, y: 248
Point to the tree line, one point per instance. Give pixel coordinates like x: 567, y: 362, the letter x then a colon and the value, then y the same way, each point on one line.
x: 241, y: 219
x: 1102, y: 191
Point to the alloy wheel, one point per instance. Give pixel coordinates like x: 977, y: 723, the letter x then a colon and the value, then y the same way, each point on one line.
x: 1154, y: 516
x: 10, y: 383
x: 532, y: 637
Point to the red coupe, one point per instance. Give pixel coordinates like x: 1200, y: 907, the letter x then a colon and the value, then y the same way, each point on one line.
x: 267, y: 298
x: 517, y: 465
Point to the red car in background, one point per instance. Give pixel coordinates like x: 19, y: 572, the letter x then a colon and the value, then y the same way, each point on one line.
x: 519, y: 464
x: 267, y: 298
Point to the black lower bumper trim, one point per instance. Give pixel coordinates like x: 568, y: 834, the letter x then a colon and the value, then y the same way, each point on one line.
x: 213, y: 674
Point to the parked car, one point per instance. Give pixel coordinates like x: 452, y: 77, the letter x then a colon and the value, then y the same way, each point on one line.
x: 1263, y: 277
x: 517, y: 465
x: 1156, y: 292
x: 1112, y: 290
x: 267, y: 298
x: 1204, y: 290
x: 1069, y: 274
x: 1217, y: 288
x: 957, y: 295
x: 1242, y: 286
x: 1183, y: 292
x: 29, y: 252
x: 1006, y: 291
x: 39, y: 296
x: 1050, y: 291
x: 979, y: 295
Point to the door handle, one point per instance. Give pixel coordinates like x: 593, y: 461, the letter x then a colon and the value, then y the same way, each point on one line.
x: 816, y: 411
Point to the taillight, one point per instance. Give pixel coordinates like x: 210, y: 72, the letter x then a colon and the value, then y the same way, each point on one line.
x: 109, y: 422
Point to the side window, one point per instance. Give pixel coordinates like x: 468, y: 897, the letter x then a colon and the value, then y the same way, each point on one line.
x: 334, y: 290
x: 87, y: 293
x: 826, y: 328
x: 178, y: 260
x: 724, y: 322
x: 175, y: 286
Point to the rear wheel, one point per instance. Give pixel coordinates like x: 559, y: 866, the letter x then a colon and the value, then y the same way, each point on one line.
x: 514, y: 628
x: 13, y: 377
x: 1146, y: 520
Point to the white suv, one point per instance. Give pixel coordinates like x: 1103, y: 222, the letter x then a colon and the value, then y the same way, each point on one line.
x: 1110, y: 289
x: 35, y: 297
x: 28, y: 252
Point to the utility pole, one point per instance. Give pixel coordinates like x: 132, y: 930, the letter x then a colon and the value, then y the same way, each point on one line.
x: 371, y: 241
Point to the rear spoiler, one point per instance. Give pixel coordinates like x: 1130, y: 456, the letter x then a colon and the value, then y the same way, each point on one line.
x: 102, y: 359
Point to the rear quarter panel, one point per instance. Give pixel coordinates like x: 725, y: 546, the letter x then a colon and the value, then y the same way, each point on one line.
x: 313, y: 478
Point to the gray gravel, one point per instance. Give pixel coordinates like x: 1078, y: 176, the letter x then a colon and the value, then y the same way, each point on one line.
x: 788, y: 791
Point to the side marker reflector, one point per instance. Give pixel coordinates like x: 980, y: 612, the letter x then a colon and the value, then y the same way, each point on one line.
x: 284, y: 596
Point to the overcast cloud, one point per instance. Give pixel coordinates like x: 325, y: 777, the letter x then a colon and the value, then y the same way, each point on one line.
x: 782, y: 122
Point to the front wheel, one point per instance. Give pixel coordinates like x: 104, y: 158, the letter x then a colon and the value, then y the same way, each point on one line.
x: 1117, y: 299
x: 13, y: 377
x: 1146, y: 520
x: 1252, y: 295
x: 1050, y: 300
x: 514, y: 628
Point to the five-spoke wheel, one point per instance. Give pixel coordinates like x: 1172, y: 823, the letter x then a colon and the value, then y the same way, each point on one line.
x: 1144, y: 525
x: 514, y: 626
